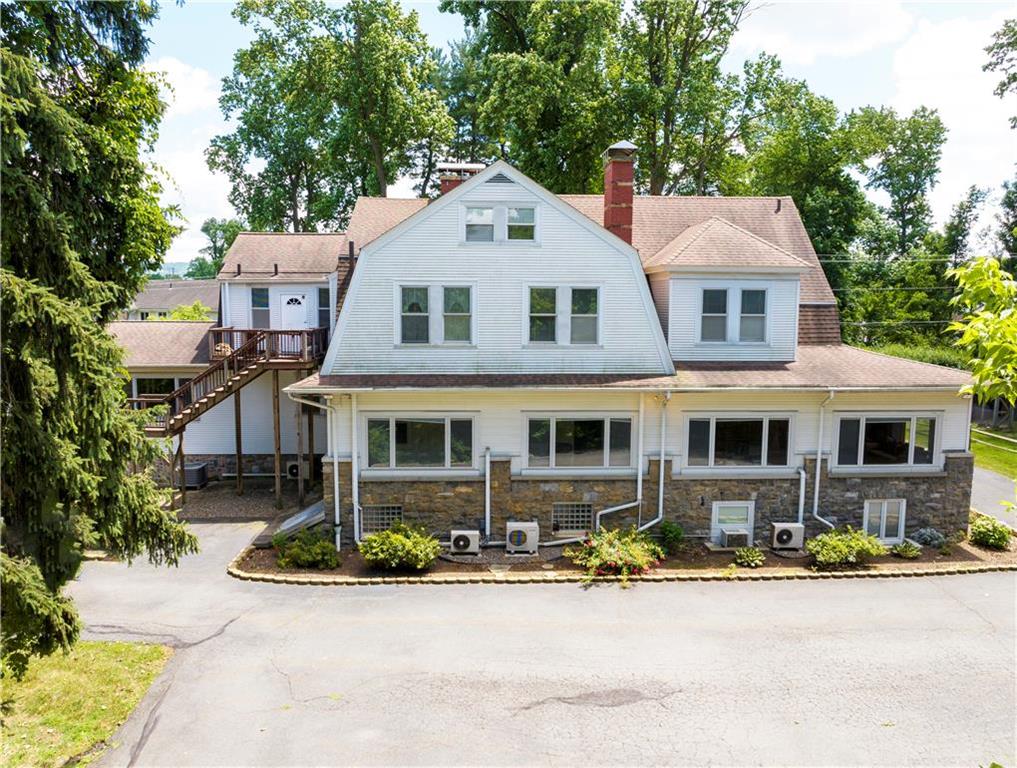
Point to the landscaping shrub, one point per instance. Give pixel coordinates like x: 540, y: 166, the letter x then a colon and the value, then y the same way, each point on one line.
x: 906, y: 550
x: 400, y: 548
x: 843, y: 548
x: 989, y: 532
x: 616, y: 553
x: 307, y: 550
x: 929, y: 537
x: 749, y: 557
x: 673, y: 536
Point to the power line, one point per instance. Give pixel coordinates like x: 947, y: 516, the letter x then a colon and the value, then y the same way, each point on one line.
x: 901, y: 288
x: 896, y: 322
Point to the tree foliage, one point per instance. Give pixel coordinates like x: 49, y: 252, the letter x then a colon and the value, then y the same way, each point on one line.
x: 220, y: 233
x: 81, y: 226
x: 191, y: 312
x: 1006, y: 225
x: 1003, y: 59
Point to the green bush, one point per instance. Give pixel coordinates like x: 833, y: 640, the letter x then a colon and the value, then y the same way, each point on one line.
x: 749, y: 557
x: 843, y: 548
x: 615, y: 553
x: 307, y: 550
x: 929, y: 537
x: 906, y: 550
x: 673, y: 536
x: 951, y: 357
x: 400, y: 548
x: 989, y: 532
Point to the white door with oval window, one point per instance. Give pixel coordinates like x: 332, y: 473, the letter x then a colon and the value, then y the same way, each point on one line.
x: 293, y: 311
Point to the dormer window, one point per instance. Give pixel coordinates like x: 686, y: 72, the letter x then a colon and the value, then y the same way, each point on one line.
x: 752, y: 327
x: 745, y: 323
x: 714, y: 325
x: 480, y: 225
x: 521, y: 224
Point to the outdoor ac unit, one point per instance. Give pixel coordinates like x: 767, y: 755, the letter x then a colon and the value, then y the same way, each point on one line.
x: 465, y: 542
x: 291, y: 470
x: 787, y: 535
x: 196, y: 474
x: 735, y: 538
x: 522, y: 538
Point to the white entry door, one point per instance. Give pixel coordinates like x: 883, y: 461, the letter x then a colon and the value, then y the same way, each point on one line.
x: 292, y: 311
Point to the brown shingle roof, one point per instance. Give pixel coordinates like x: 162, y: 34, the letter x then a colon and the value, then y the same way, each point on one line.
x: 374, y: 216
x: 167, y: 294
x: 719, y: 243
x: 304, y: 255
x: 817, y: 367
x: 162, y: 343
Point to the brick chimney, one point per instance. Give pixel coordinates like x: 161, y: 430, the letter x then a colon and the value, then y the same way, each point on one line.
x: 618, y: 191
x: 451, y: 175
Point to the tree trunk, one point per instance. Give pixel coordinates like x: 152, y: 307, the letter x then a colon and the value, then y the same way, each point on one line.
x: 378, y: 160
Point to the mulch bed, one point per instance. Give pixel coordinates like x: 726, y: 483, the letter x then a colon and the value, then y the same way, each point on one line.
x: 695, y: 557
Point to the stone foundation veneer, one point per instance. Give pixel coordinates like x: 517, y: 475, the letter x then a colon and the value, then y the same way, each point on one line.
x: 221, y: 465
x: 940, y: 499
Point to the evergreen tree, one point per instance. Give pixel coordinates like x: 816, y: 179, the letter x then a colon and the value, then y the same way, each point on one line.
x: 81, y: 226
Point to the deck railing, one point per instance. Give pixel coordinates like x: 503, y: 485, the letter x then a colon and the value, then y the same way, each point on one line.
x: 300, y: 344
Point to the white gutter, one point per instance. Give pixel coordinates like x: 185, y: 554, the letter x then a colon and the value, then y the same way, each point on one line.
x: 332, y: 446
x: 487, y: 492
x: 639, y: 461
x: 801, y: 495
x: 819, y: 461
x: 355, y: 485
x: 660, y: 479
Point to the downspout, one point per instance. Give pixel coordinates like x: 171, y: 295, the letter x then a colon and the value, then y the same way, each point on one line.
x: 355, y: 467
x: 801, y: 495
x: 660, y: 479
x: 332, y: 446
x: 819, y: 462
x: 487, y: 492
x: 639, y: 461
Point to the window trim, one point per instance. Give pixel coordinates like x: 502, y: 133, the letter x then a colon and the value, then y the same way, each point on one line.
x: 766, y: 315
x: 435, y: 314
x: 713, y: 417
x: 326, y: 309
x: 732, y: 325
x: 531, y: 206
x: 494, y: 222
x: 529, y: 341
x: 936, y: 465
x: 251, y: 309
x: 563, y: 316
x: 901, y: 522
x: 716, y: 527
x: 604, y: 468
x: 500, y: 219
x: 392, y: 416
x: 703, y: 314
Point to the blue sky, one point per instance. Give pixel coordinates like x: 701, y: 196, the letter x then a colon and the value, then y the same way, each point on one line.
x: 856, y: 53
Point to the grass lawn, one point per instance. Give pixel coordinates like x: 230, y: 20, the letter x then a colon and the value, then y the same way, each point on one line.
x: 998, y: 455
x: 68, y: 704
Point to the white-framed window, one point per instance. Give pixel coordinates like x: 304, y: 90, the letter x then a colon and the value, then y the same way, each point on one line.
x: 585, y: 315
x: 732, y: 516
x: 480, y: 224
x: 752, y: 323
x: 579, y: 441
x: 521, y: 223
x: 884, y: 518
x: 260, y: 313
x: 886, y: 440
x: 738, y: 441
x: 571, y: 517
x: 543, y: 315
x: 713, y: 325
x: 456, y: 314
x: 323, y: 308
x: 415, y: 317
x: 420, y: 442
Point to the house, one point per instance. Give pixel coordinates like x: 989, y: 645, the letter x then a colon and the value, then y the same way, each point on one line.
x: 160, y: 297
x: 504, y: 353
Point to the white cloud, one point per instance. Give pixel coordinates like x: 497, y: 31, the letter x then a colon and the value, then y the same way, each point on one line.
x: 940, y: 66
x: 800, y: 33
x: 192, y: 89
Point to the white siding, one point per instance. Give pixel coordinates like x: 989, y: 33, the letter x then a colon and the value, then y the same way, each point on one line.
x: 686, y: 307
x: 499, y: 416
x: 660, y: 289
x: 238, y: 313
x: 431, y: 252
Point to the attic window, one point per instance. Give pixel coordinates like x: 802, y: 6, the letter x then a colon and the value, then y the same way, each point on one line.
x: 479, y: 225
x: 521, y: 224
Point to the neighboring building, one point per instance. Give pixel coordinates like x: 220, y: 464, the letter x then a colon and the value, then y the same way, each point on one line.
x: 504, y: 353
x: 160, y: 297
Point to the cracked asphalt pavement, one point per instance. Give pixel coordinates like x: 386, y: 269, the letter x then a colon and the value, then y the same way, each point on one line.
x: 869, y: 672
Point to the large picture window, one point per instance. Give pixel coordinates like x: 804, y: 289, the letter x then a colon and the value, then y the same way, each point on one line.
x: 719, y: 441
x: 587, y: 442
x: 880, y: 440
x: 441, y: 442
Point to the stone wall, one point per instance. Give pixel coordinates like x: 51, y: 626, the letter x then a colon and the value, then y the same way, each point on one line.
x: 221, y: 465
x: 941, y: 499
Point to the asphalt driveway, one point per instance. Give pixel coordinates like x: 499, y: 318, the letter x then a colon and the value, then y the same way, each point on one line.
x: 988, y: 491
x: 874, y: 672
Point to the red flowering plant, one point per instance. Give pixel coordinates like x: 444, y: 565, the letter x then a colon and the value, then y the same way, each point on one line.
x: 615, y: 552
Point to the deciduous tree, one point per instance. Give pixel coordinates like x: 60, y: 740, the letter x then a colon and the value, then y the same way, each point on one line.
x: 1003, y: 59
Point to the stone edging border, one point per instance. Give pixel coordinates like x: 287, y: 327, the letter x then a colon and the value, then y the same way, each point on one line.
x: 574, y: 578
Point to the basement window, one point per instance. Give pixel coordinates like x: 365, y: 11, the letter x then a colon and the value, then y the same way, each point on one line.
x: 379, y: 517
x: 571, y: 517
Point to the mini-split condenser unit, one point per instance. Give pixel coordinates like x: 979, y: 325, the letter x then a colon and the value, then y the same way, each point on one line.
x: 291, y: 470
x: 787, y: 535
x: 735, y: 539
x: 464, y: 542
x: 522, y: 538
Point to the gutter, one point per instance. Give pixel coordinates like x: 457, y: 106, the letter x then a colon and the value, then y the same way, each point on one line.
x: 322, y: 390
x: 819, y: 461
x: 332, y: 438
